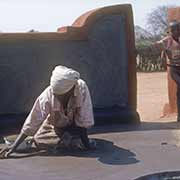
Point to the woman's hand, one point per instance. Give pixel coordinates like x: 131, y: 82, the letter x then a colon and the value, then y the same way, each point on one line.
x: 92, y: 144
x: 5, y: 152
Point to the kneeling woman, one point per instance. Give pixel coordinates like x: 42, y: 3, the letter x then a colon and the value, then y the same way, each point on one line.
x: 60, y: 115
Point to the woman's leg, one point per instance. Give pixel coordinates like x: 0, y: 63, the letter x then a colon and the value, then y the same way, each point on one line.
x: 175, y: 74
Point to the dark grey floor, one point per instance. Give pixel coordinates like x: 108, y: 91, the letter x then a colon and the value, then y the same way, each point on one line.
x: 123, y: 152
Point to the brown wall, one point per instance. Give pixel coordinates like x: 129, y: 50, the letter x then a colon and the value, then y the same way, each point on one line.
x: 100, y: 45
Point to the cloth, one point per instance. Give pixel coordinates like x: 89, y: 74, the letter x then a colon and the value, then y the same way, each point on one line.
x: 63, y: 79
x: 172, y: 49
x: 50, y: 137
x: 175, y: 74
x: 48, y: 109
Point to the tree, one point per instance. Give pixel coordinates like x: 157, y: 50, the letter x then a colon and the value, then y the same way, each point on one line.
x: 157, y: 21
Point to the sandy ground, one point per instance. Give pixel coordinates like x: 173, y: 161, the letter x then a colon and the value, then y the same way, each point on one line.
x: 152, y: 95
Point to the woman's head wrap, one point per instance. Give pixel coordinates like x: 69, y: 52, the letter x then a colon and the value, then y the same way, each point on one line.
x: 63, y: 79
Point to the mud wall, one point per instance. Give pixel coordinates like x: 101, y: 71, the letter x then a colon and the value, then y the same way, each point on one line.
x: 100, y: 45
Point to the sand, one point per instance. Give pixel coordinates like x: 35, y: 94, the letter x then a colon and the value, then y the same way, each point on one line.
x: 152, y: 95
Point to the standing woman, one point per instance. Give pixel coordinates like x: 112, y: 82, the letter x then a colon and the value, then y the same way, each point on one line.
x: 170, y: 45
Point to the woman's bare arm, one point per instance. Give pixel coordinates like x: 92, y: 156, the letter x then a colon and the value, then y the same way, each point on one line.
x: 4, y: 153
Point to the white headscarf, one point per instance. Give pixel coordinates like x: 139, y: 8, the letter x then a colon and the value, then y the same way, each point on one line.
x: 63, y: 79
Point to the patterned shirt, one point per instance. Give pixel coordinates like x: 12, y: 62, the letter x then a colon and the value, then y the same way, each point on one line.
x: 172, y: 49
x: 79, y: 110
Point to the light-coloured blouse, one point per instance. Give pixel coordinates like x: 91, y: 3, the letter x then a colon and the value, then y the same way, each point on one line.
x: 79, y: 110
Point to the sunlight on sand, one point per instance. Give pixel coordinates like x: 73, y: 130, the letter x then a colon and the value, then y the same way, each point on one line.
x: 152, y: 95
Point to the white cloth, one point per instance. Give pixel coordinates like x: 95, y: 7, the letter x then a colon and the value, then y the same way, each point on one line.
x: 63, y: 79
x: 47, y: 107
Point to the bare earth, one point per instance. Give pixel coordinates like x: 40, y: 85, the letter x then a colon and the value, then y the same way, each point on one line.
x: 152, y: 95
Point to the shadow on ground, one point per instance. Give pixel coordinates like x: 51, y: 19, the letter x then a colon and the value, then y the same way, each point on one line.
x: 106, y: 153
x: 143, y: 126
